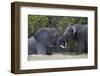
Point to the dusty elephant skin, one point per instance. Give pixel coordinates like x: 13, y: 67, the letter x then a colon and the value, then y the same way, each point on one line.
x: 76, y: 32
x: 42, y: 41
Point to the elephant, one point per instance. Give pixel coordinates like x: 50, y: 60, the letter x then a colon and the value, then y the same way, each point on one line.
x: 78, y: 33
x: 42, y: 41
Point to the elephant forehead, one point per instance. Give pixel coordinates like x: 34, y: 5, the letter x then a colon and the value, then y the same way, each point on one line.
x: 67, y: 29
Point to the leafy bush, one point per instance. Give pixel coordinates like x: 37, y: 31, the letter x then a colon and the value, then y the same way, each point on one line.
x: 60, y: 22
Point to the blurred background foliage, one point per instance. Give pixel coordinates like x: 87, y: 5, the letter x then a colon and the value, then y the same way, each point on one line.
x: 60, y: 22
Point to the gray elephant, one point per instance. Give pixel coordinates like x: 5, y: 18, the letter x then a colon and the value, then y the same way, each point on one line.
x: 42, y: 41
x: 78, y: 33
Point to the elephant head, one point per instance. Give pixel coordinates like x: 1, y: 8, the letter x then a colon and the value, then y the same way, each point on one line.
x: 47, y: 36
x: 69, y: 34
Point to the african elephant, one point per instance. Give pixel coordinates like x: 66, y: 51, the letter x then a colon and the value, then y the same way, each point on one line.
x: 77, y: 32
x: 44, y: 39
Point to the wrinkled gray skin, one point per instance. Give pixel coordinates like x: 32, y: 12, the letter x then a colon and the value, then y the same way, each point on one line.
x: 42, y: 40
x: 78, y: 33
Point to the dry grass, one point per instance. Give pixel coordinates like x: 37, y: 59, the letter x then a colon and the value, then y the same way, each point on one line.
x: 56, y: 56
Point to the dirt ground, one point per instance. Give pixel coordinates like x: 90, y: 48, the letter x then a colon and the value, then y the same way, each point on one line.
x: 57, y: 56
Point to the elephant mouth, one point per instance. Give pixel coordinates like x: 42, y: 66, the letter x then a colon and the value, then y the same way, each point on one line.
x: 63, y: 46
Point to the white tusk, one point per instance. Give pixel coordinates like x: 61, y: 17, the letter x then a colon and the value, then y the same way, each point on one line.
x: 62, y: 46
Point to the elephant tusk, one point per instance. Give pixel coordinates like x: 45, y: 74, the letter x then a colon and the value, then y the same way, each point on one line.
x: 62, y: 46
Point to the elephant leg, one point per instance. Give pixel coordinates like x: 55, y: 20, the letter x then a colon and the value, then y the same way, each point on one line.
x: 86, y: 48
x: 41, y: 50
x: 81, y: 47
x: 49, y: 51
x: 30, y: 52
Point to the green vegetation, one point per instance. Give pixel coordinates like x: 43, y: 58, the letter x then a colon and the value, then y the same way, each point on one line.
x: 60, y: 22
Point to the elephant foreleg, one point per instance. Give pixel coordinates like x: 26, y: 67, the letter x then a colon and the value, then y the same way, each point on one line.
x: 81, y: 47
x: 41, y: 50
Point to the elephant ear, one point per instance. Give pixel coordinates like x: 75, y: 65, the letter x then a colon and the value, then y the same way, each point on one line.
x: 74, y: 29
x: 42, y: 36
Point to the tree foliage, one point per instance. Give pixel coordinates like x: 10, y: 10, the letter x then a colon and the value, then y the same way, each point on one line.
x: 60, y: 22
